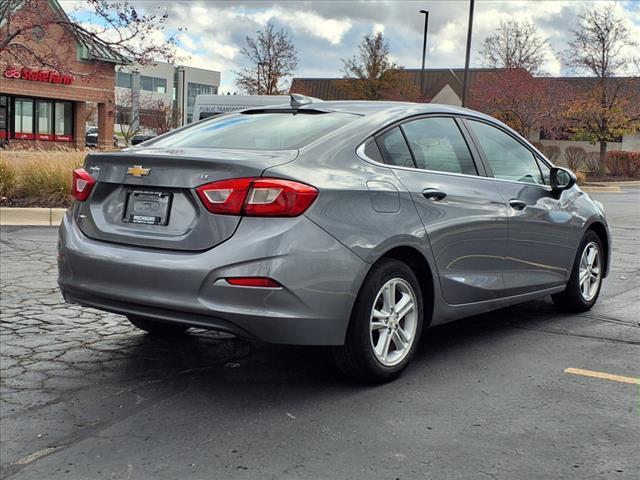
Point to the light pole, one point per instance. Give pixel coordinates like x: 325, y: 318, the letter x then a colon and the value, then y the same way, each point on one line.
x: 424, y: 49
x: 260, y: 64
x: 466, y: 60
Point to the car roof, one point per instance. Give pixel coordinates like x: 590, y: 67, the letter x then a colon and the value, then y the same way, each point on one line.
x: 370, y: 107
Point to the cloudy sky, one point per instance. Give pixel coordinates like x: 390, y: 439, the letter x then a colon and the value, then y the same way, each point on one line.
x: 326, y: 31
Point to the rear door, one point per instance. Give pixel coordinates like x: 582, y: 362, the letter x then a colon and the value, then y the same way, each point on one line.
x: 463, y: 212
x: 542, y: 230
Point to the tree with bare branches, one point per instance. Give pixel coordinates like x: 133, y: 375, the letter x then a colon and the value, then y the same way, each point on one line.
x: 109, y: 27
x: 515, y: 44
x: 272, y: 59
x: 372, y: 75
x: 610, y: 110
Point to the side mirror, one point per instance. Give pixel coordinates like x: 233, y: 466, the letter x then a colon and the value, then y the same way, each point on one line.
x: 561, y: 179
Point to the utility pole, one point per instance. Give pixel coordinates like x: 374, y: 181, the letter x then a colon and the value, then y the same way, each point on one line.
x: 259, y: 65
x: 424, y: 49
x: 466, y: 60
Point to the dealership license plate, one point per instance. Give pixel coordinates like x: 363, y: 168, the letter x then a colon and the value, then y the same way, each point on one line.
x: 148, y: 207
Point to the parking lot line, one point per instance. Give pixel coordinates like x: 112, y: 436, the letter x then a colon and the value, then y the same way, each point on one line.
x: 602, y: 375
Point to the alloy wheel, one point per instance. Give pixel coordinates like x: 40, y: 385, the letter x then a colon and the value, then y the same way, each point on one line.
x: 393, y: 322
x: 589, y: 271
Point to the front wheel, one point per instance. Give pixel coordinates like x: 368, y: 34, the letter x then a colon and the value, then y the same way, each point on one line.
x: 157, y: 328
x: 586, y: 277
x: 385, y: 325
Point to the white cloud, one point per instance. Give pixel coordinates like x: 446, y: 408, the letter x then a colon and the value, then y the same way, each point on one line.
x: 324, y: 32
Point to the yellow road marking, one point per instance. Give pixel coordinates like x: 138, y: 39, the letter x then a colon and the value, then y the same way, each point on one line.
x: 604, y: 376
x: 35, y: 456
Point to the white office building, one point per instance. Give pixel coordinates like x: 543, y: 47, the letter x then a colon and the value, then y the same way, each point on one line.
x: 145, y: 89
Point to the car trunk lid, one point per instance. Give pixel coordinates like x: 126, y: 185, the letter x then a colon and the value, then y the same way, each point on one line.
x: 146, y: 197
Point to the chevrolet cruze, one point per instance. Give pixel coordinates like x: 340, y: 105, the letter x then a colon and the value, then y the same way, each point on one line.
x: 355, y: 225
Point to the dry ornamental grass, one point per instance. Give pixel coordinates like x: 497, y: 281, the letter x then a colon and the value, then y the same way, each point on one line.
x: 38, y: 178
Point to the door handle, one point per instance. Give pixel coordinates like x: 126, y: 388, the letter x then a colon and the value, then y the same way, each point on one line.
x: 433, y: 194
x: 517, y: 204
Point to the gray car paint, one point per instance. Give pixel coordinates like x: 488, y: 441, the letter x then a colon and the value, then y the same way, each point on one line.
x: 364, y: 210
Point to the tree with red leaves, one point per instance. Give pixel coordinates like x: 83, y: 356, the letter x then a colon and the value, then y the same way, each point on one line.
x: 523, y: 102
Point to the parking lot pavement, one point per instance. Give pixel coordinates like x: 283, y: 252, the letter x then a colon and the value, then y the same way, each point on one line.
x: 86, y: 396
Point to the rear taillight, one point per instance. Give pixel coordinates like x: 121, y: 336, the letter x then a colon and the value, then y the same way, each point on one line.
x: 82, y: 184
x: 257, y: 197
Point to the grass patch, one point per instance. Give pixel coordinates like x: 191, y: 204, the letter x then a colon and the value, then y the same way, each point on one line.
x: 38, y: 178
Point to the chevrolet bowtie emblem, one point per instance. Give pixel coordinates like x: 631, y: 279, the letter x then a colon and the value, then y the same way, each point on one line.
x: 138, y: 171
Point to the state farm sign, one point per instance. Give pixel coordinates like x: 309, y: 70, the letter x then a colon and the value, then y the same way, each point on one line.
x: 39, y: 76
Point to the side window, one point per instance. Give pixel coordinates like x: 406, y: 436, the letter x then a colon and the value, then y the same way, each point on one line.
x: 546, y: 171
x: 437, y: 144
x: 372, y: 151
x: 508, y: 158
x: 394, y: 149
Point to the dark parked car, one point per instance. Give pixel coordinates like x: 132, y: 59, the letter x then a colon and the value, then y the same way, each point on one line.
x: 350, y: 224
x: 137, y: 139
x: 91, y: 138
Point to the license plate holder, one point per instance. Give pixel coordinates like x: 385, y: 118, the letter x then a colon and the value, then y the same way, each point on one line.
x: 147, y: 207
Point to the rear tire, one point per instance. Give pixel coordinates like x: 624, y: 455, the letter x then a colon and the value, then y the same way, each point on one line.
x: 385, y: 325
x: 585, y: 283
x: 156, y: 327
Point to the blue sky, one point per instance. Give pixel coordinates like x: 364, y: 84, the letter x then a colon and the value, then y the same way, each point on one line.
x: 326, y: 31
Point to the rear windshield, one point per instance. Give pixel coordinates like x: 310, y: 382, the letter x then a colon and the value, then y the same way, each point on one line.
x: 257, y: 131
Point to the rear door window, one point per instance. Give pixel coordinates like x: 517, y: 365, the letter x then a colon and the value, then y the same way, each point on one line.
x: 437, y: 144
x: 257, y: 131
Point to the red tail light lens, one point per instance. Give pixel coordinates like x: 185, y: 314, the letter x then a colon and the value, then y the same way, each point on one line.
x: 257, y: 197
x: 82, y: 184
x: 263, y: 282
x: 225, y: 197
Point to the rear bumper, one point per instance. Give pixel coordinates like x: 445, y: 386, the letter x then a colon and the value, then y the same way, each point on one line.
x: 320, y: 279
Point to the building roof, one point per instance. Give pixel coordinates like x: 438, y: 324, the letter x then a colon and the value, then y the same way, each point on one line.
x: 92, y: 48
x: 435, y: 80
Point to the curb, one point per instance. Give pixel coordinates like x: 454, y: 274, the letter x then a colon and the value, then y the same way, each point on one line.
x: 47, y: 217
x: 599, y: 189
x: 631, y: 183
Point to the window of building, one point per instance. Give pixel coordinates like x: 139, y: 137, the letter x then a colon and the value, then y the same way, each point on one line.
x: 194, y: 89
x: 45, y: 118
x: 437, y: 144
x: 123, y: 80
x: 153, y: 84
x: 159, y: 85
x: 508, y: 158
x: 23, y: 116
x: 64, y: 119
x: 4, y: 120
x: 146, y: 83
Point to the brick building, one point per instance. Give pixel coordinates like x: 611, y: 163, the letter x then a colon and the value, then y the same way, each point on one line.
x: 444, y: 85
x: 45, y: 107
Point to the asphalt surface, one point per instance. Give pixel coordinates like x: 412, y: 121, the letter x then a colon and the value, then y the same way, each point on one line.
x: 86, y: 396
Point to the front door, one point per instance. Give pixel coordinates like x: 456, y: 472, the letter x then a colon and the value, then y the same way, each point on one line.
x: 542, y: 229
x: 463, y: 213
